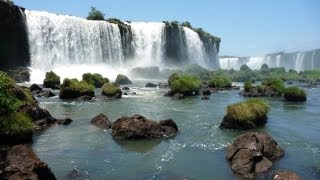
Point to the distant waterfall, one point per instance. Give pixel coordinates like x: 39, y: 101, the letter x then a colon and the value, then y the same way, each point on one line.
x: 298, y: 61
x: 148, y: 43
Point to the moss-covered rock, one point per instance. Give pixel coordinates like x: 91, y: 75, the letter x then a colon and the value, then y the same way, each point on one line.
x: 111, y: 90
x: 246, y: 115
x: 295, y: 94
x: 276, y: 84
x: 122, y: 80
x: 95, y: 79
x: 172, y: 77
x: 247, y: 86
x: 186, y: 85
x: 52, y: 80
x: 72, y: 89
x: 220, y: 82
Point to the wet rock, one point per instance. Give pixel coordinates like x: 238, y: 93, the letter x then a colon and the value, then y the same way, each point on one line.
x: 252, y: 153
x: 20, y: 162
x: 152, y: 85
x: 35, y: 88
x: 65, y: 121
x: 85, y: 98
x: 101, y: 121
x: 35, y: 112
x: 126, y: 88
x: 205, y: 98
x: 139, y: 127
x: 286, y: 175
x: 178, y: 96
x: 16, y: 139
x: 47, y: 94
x: 206, y: 92
x: 163, y: 85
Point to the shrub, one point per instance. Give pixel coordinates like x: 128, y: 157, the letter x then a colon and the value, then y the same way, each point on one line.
x: 294, y: 93
x: 250, y: 110
x: 15, y: 124
x: 110, y: 90
x: 244, y: 67
x: 76, y: 85
x: 187, y: 85
x: 95, y: 79
x: 8, y: 102
x: 173, y: 77
x: 259, y: 88
x: 220, y: 82
x: 247, y: 86
x: 51, y: 80
x: 122, y: 80
x: 276, y: 84
x: 95, y: 14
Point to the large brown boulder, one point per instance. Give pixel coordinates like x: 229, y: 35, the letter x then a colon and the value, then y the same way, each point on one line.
x: 20, y: 162
x: 139, y: 127
x: 252, y: 153
x: 286, y: 175
x: 101, y: 121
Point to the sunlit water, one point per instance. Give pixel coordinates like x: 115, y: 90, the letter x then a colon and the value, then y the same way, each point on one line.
x: 198, y: 150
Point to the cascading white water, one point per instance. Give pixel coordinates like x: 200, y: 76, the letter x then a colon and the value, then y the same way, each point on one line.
x: 299, y: 61
x: 195, y: 48
x: 229, y: 63
x: 255, y: 62
x: 148, y: 43
x: 59, y: 41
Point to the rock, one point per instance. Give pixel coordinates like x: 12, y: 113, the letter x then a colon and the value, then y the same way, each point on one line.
x: 20, y: 162
x: 163, y: 85
x: 286, y: 175
x: 65, y: 121
x: 85, y: 98
x: 15, y: 139
x: 149, y: 84
x: 126, y: 88
x: 252, y: 153
x: 122, y: 80
x: 101, y: 121
x: 206, y: 92
x: 35, y: 112
x: 68, y: 93
x: 76, y: 174
x: 178, y: 96
x: 205, y: 98
x: 47, y: 94
x: 35, y: 88
x: 20, y: 74
x: 139, y: 127
x: 169, y: 93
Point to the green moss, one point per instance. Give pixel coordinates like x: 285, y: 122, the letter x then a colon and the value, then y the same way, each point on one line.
x: 8, y: 101
x: 76, y: 85
x: 276, y: 84
x: 295, y: 93
x: 249, y: 110
x: 51, y: 80
x: 95, y: 14
x: 247, y: 86
x: 122, y: 80
x: 187, y: 85
x: 110, y: 90
x: 15, y: 124
x: 172, y: 77
x: 95, y: 79
x: 220, y: 82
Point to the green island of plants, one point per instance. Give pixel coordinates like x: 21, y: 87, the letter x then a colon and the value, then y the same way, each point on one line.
x: 111, y: 90
x: 220, y: 82
x: 95, y: 79
x: 295, y: 93
x: 72, y: 88
x: 184, y: 84
x: 52, y: 80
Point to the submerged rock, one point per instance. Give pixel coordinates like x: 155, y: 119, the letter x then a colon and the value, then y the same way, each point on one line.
x: 101, y: 121
x: 163, y: 85
x: 149, y: 84
x: 178, y: 96
x: 35, y: 88
x: 252, y: 153
x: 205, y: 98
x: 139, y: 127
x: 65, y: 121
x: 85, y: 98
x: 20, y: 162
x: 286, y: 175
x: 126, y: 88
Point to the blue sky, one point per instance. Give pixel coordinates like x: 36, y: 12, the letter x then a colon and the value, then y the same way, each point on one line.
x: 246, y: 27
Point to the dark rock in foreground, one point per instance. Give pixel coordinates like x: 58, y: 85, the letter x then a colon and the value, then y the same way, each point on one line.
x: 101, y: 121
x: 252, y: 153
x: 139, y: 127
x: 286, y: 175
x: 20, y: 162
x: 65, y: 121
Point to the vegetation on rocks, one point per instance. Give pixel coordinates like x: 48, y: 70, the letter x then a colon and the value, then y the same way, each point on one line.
x: 72, y: 88
x: 52, y: 80
x: 220, y: 82
x: 276, y: 84
x: 246, y: 115
x: 185, y: 84
x: 295, y: 93
x: 122, y: 80
x: 95, y: 79
x: 95, y: 14
x: 111, y: 90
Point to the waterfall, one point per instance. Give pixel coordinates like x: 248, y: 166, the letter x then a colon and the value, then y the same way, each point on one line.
x: 195, y: 48
x: 298, y: 61
x: 148, y: 43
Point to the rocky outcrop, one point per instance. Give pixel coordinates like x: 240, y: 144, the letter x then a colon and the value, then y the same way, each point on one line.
x: 20, y: 162
x: 256, y: 92
x: 286, y: 175
x: 139, y: 127
x: 151, y: 85
x: 101, y: 121
x: 252, y: 153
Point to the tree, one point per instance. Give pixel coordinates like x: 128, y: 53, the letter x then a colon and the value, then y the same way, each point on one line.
x: 95, y: 14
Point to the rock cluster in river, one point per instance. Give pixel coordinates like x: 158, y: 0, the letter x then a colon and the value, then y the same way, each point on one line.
x: 101, y: 121
x: 252, y: 153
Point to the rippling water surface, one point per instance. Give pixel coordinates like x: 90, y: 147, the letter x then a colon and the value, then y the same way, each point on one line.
x: 198, y: 150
